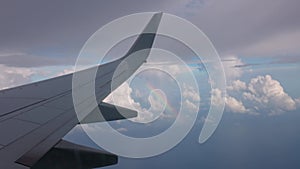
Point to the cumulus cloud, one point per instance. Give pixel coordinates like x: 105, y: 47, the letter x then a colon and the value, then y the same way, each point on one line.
x: 235, y: 105
x: 269, y: 93
x: 190, y: 93
x: 190, y: 100
x: 237, y: 85
x: 122, y: 96
x: 231, y: 103
x: 216, y: 97
x: 190, y: 105
x: 262, y: 94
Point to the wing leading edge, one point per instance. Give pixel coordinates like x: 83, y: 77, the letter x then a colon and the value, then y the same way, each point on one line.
x: 35, y: 117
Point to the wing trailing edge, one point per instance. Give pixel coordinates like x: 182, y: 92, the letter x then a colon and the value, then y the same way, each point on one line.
x: 67, y: 155
x: 109, y: 113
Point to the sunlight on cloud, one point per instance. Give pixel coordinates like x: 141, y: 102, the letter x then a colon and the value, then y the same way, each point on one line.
x: 234, y: 105
x: 262, y: 94
x: 123, y: 96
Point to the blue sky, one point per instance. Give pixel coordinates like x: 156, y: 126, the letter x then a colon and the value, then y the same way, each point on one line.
x: 258, y: 43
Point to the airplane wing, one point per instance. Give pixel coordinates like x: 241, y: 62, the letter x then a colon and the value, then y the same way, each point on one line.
x: 35, y: 117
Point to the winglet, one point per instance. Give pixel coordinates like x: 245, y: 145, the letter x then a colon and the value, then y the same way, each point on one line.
x: 146, y: 38
x: 138, y: 53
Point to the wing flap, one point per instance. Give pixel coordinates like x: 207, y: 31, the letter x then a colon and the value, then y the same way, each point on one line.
x: 67, y: 155
x: 109, y: 113
x: 14, y: 129
x: 39, y: 115
x: 59, y: 128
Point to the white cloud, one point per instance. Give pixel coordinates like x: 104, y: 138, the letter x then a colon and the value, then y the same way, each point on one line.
x: 262, y: 94
x: 216, y: 97
x: 122, y: 97
x: 270, y: 94
x: 14, y: 76
x: 231, y: 103
x: 234, y: 105
x: 237, y: 85
x: 190, y: 101
x: 66, y: 71
x: 190, y: 93
x: 174, y: 69
x: 231, y: 72
x: 158, y: 101
x: 192, y: 107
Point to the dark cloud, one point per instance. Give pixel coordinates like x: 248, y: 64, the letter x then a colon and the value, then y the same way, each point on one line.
x: 56, y: 30
x: 233, y: 25
x: 59, y: 28
x: 246, y: 65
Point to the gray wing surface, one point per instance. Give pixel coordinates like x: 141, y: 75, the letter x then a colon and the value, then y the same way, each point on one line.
x: 35, y: 117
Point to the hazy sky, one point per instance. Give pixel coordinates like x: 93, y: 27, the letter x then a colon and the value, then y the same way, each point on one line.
x: 258, y: 42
